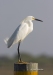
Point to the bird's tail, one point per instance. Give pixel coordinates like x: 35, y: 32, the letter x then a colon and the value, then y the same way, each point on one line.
x: 6, y: 40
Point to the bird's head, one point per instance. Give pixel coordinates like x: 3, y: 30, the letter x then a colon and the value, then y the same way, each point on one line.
x: 33, y: 18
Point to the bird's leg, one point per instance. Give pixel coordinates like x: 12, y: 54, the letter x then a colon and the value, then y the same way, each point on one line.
x: 19, y: 56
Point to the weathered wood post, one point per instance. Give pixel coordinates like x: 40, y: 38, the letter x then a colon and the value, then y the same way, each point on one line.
x: 26, y: 69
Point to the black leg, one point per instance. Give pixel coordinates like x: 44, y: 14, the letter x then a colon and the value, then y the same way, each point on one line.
x: 19, y: 57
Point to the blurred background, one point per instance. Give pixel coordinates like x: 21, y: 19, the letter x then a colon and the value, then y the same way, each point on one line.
x: 44, y: 62
x: 38, y: 46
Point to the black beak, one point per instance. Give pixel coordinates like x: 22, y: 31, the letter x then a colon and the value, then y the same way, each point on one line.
x: 38, y: 20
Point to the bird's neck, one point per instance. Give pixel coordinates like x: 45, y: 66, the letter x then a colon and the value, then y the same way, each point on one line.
x: 30, y: 24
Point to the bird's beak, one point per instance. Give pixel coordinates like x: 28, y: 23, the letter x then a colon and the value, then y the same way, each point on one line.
x: 38, y: 20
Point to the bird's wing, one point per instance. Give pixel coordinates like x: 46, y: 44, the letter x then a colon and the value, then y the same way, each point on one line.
x: 19, y: 34
x: 12, y: 38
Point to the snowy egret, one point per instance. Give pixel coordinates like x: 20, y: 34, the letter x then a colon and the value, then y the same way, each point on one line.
x: 21, y: 32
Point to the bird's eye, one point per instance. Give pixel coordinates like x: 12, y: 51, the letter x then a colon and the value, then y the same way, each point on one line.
x: 33, y: 18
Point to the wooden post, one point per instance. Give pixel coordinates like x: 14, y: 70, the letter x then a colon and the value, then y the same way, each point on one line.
x: 26, y: 69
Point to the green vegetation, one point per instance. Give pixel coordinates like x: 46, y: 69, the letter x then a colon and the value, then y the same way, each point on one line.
x: 45, y: 62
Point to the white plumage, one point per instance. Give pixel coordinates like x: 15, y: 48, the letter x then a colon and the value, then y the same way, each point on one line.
x: 21, y: 31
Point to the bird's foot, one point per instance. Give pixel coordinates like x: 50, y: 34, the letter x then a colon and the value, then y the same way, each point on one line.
x: 19, y: 61
x: 22, y: 62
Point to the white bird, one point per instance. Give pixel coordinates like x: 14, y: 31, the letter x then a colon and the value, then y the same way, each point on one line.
x: 21, y: 32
